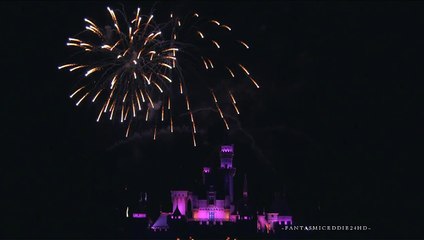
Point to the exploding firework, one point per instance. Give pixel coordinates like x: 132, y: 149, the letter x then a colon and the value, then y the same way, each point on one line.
x: 136, y: 68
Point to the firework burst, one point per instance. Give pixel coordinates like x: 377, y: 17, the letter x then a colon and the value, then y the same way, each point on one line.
x: 136, y: 69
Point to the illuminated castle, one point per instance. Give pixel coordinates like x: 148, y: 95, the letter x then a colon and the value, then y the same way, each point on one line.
x: 214, y: 204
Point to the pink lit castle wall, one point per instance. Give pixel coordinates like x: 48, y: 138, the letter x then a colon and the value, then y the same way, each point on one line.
x: 214, y: 203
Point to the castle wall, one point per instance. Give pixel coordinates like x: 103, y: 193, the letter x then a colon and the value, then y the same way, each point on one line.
x: 211, y: 214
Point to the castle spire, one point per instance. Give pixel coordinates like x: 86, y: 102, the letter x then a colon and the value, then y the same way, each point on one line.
x: 245, y: 186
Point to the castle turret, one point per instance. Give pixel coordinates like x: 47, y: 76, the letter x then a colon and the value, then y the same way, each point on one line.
x: 245, y: 187
x: 244, y: 210
x: 179, y: 201
x: 227, y: 153
x: 205, y: 174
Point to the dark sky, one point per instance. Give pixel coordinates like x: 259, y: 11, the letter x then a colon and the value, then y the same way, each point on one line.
x: 336, y: 123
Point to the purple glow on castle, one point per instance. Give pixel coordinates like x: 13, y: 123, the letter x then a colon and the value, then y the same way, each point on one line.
x: 227, y: 149
x: 139, y: 215
x: 211, y: 214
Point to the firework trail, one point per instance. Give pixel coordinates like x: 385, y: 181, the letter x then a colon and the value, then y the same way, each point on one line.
x: 140, y: 71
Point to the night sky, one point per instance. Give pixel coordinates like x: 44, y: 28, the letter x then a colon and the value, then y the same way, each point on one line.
x: 335, y: 125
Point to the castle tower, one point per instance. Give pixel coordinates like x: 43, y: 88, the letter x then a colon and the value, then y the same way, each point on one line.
x: 205, y: 174
x: 227, y: 153
x: 179, y: 201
